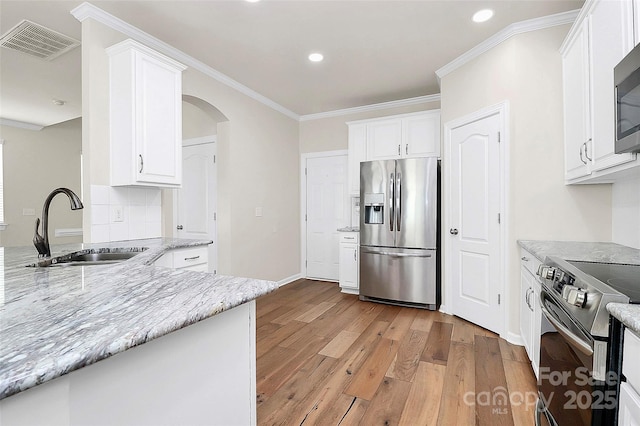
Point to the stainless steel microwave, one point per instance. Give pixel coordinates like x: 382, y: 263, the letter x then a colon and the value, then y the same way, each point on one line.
x: 626, y: 76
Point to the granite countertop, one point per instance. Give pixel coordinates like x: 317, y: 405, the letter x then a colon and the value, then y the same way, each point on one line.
x: 349, y: 229
x: 628, y: 314
x: 59, y: 319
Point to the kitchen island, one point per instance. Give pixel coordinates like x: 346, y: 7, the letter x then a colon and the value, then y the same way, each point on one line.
x: 175, y: 346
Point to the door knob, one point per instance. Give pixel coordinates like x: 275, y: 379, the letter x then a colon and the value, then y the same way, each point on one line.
x: 179, y: 227
x: 453, y: 231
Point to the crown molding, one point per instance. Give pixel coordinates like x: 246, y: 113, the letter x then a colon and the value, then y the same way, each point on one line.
x: 87, y: 10
x: 510, y: 31
x: 20, y: 124
x: 372, y: 107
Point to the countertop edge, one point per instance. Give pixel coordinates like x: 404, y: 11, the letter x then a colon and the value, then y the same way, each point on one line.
x: 55, y: 369
x: 628, y: 315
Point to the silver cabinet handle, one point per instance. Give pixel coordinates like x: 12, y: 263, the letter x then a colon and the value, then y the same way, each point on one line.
x: 406, y: 149
x: 398, y: 150
x: 526, y: 297
x: 399, y: 200
x: 355, y: 255
x: 392, y: 216
x: 453, y: 231
x: 141, y: 162
x: 392, y: 254
x: 179, y: 227
x: 192, y: 258
x: 582, y: 159
x: 349, y: 238
x: 525, y: 258
x: 586, y: 152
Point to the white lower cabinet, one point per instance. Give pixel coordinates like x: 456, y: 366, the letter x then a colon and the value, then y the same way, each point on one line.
x: 349, y: 261
x: 530, y: 311
x: 629, y: 403
x: 191, y: 259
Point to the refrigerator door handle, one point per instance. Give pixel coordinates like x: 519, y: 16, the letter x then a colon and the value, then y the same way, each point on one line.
x: 398, y: 206
x: 392, y: 217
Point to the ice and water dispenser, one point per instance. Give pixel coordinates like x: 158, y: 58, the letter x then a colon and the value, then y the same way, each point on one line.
x: 374, y: 209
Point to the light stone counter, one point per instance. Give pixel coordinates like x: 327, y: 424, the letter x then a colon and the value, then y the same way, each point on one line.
x: 629, y: 315
x: 59, y: 319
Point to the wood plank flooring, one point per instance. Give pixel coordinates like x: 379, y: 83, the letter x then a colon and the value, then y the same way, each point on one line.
x: 327, y: 358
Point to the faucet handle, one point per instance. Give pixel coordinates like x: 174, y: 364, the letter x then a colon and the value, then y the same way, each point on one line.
x: 38, y: 241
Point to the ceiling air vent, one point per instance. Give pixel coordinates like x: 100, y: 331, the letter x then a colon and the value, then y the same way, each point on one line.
x: 36, y: 40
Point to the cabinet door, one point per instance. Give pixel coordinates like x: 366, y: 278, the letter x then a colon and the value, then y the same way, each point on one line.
x: 384, y: 139
x: 536, y: 318
x: 629, y: 406
x: 577, y: 124
x: 357, y: 154
x: 349, y: 266
x: 421, y: 135
x: 526, y: 314
x: 611, y: 31
x: 158, y: 116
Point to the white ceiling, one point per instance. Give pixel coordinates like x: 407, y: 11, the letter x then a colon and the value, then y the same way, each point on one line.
x: 375, y: 51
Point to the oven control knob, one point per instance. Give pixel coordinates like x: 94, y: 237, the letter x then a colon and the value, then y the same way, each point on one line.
x: 566, y: 289
x: 546, y: 272
x: 577, y: 297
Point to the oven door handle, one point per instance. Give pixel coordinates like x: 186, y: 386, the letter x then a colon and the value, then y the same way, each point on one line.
x: 576, y: 341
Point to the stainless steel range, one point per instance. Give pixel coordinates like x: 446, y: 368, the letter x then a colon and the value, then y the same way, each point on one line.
x: 579, y: 349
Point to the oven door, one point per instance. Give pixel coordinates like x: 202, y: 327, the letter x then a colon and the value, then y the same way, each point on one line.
x: 566, y: 387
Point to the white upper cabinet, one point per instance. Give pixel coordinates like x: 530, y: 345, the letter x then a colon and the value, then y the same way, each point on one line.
x: 577, y: 117
x: 611, y: 30
x: 384, y: 139
x: 393, y: 137
x: 145, y: 96
x: 601, y: 36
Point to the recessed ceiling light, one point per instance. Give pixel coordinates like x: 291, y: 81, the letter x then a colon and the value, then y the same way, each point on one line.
x: 58, y: 102
x: 482, y: 15
x: 316, y: 57
x: 253, y: 1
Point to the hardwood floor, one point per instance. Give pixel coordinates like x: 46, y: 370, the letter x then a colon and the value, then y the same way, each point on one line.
x: 324, y: 357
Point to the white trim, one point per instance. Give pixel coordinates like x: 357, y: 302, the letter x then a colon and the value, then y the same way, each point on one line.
x: 513, y: 338
x: 391, y: 117
x: 68, y: 232
x: 3, y: 226
x: 372, y: 107
x: 289, y: 280
x: 502, y: 109
x: 510, y: 31
x: 303, y: 201
x: 200, y: 141
x: 87, y: 10
x: 20, y: 124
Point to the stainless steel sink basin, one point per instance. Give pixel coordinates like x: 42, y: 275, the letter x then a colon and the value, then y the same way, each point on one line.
x: 100, y: 256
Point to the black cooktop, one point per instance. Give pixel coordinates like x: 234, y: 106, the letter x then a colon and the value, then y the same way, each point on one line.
x: 621, y: 277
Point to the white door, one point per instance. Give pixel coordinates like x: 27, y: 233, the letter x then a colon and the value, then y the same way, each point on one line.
x: 475, y: 232
x: 327, y: 210
x: 196, y: 200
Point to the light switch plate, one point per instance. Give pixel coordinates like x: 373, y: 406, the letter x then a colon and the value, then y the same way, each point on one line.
x: 28, y: 211
x: 258, y: 211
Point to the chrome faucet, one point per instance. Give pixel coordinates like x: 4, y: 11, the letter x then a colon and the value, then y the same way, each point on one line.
x: 42, y: 243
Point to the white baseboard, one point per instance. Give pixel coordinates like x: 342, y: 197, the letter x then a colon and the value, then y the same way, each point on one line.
x: 444, y: 309
x: 513, y: 338
x: 289, y: 280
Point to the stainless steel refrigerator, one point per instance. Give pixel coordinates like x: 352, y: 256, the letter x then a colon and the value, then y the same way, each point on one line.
x: 399, y: 236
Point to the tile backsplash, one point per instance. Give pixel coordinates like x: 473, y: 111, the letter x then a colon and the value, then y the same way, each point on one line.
x: 123, y: 213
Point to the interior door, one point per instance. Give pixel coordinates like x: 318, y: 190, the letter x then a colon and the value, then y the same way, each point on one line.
x: 327, y: 209
x: 196, y: 200
x: 475, y: 229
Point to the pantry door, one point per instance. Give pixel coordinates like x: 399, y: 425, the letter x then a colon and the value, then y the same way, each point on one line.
x: 474, y: 237
x: 196, y: 200
x: 326, y: 209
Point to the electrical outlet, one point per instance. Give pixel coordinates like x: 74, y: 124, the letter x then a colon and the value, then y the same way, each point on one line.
x: 117, y: 213
x: 258, y: 211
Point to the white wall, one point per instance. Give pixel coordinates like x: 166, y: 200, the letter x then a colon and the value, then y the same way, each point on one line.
x: 35, y: 163
x: 526, y: 70
x: 258, y: 158
x: 196, y: 123
x: 626, y: 212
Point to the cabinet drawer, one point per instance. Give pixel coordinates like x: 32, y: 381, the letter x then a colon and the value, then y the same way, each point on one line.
x: 349, y: 237
x: 190, y: 257
x: 530, y: 262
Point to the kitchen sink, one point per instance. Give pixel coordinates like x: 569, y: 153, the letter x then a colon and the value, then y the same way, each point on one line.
x: 99, y: 256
